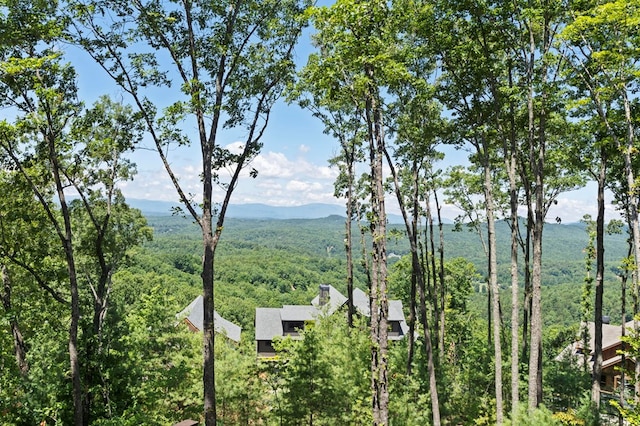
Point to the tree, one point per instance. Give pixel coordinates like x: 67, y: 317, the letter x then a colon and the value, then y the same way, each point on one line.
x: 600, y: 40
x: 156, y: 379
x: 343, y: 120
x: 71, y: 163
x: 54, y: 144
x: 231, y: 63
x: 357, y: 60
x: 476, y: 64
x: 34, y: 79
x: 307, y: 381
x: 418, y: 117
x: 539, y: 81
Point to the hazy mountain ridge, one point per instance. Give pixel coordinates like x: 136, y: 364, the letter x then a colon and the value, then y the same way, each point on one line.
x: 255, y: 210
x: 265, y: 211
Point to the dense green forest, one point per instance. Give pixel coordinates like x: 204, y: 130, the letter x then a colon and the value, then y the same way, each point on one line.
x: 289, y: 258
x: 540, y: 98
x: 269, y: 263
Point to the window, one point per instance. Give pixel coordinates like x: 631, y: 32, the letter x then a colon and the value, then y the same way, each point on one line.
x: 394, y: 328
x: 292, y: 327
x: 265, y: 346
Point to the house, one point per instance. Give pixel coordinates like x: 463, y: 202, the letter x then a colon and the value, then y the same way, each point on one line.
x: 290, y: 319
x: 193, y: 314
x: 612, y: 348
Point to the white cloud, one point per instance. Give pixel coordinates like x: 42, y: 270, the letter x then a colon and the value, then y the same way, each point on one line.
x: 286, y: 182
x: 570, y: 210
x: 274, y: 164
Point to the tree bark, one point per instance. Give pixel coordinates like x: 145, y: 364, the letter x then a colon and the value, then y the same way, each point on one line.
x: 442, y: 286
x: 632, y: 212
x: 537, y: 153
x: 495, y: 293
x: 379, y: 298
x: 511, y: 166
x: 535, y: 384
x: 348, y: 240
x: 428, y: 349
x: 599, y: 290
x: 433, y: 277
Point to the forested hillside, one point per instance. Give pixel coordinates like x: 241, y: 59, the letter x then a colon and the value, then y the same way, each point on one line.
x: 494, y: 110
x: 271, y: 262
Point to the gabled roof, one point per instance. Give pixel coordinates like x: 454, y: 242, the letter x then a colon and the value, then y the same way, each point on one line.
x: 269, y: 320
x: 194, y: 313
x: 611, y: 337
x: 611, y: 334
x: 396, y: 313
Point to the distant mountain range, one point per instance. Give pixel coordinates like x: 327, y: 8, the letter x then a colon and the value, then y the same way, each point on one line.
x: 254, y: 210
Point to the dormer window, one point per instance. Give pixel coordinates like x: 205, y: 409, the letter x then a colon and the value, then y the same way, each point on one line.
x: 292, y: 328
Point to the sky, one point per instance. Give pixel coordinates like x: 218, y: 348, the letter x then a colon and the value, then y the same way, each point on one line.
x: 293, y: 169
x: 293, y: 166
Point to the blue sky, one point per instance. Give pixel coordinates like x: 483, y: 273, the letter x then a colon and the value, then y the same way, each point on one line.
x: 292, y: 167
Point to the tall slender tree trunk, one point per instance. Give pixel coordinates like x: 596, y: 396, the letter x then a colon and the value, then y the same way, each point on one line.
x: 428, y: 349
x: 378, y: 296
x: 537, y: 153
x: 515, y: 308
x: 632, y: 214
x: 526, y: 299
x: 79, y: 417
x: 442, y: 286
x: 348, y: 240
x: 209, y: 245
x: 597, y: 358
x: 433, y: 277
x: 629, y: 150
x: 623, y: 332
x: 412, y: 326
x: 414, y: 279
x: 411, y: 227
x: 495, y: 294
x: 535, y: 345
x: 535, y: 361
x: 510, y: 150
x: 208, y: 328
x: 417, y: 277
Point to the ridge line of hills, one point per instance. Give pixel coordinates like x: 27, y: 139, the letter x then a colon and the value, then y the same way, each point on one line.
x: 256, y: 210
x: 263, y: 211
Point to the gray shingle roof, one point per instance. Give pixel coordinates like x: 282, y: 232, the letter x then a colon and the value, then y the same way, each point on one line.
x: 269, y: 320
x: 299, y: 313
x: 397, y: 314
x: 194, y: 314
x: 611, y: 336
x: 268, y: 323
x: 395, y: 310
x: 361, y: 302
